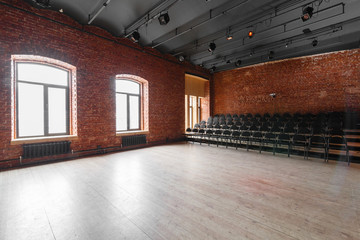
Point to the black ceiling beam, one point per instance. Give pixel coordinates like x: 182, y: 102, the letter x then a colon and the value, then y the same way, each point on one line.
x: 255, y: 19
x: 312, y: 34
x: 98, y: 10
x: 273, y: 28
x: 178, y: 33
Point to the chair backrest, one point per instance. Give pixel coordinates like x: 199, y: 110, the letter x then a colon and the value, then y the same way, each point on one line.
x: 209, y: 132
x: 235, y: 133
x: 227, y: 132
x: 245, y: 134
x: 244, y: 127
x: 270, y: 135
x: 299, y: 138
x: 218, y: 132
x: 254, y: 128
x: 284, y: 137
x: 234, y: 127
x: 289, y: 130
x: 317, y: 140
x: 303, y: 131
x: 257, y: 135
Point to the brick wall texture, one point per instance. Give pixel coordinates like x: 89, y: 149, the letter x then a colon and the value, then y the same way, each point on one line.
x: 319, y: 83
x: 98, y: 57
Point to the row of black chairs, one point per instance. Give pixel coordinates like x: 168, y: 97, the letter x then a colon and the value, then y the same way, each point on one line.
x: 274, y: 141
x: 323, y: 121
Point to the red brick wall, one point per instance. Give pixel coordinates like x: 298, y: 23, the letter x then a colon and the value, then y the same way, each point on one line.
x: 328, y: 82
x: 98, y: 61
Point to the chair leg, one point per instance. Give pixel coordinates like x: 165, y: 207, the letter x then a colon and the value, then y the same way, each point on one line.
x: 289, y: 150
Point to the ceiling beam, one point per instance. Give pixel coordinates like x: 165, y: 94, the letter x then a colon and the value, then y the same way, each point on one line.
x: 314, y: 34
x: 98, y: 11
x: 178, y: 33
x: 254, y: 19
x: 283, y: 25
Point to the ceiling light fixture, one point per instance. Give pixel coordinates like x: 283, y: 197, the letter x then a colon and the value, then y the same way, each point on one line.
x: 213, y: 69
x: 315, y: 42
x: 181, y: 58
x: 250, y: 34
x: 229, y: 37
x: 164, y: 19
x: 135, y: 36
x: 212, y: 47
x: 271, y: 55
x: 307, y: 13
x: 238, y: 63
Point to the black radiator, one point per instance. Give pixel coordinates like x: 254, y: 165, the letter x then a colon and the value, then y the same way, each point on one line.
x: 45, y: 149
x: 133, y: 140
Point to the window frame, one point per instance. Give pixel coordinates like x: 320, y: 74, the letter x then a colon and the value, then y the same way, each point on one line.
x: 46, y: 101
x: 70, y: 95
x: 128, y: 95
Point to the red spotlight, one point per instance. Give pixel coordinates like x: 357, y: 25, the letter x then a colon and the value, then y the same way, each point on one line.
x: 251, y: 34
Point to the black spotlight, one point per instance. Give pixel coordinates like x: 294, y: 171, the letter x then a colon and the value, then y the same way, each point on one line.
x: 164, y: 19
x: 271, y: 55
x: 307, y: 13
x: 238, y: 63
x: 315, y: 43
x: 213, y: 68
x: 135, y: 36
x: 181, y: 58
x: 212, y: 47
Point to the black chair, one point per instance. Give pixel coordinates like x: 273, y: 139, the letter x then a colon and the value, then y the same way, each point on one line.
x: 234, y: 128
x: 245, y: 137
x: 300, y: 141
x: 235, y: 136
x: 270, y: 139
x: 338, y: 143
x: 208, y: 134
x: 304, y: 131
x: 217, y: 135
x: 244, y: 128
x: 254, y: 128
x: 200, y: 135
x: 318, y: 144
x: 284, y: 139
x: 226, y: 137
x: 289, y: 130
x: 257, y: 137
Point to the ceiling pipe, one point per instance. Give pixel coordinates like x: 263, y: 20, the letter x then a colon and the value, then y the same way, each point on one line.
x: 146, y: 17
x: 274, y: 35
x: 98, y: 11
x: 202, y: 23
x: 317, y: 33
x: 254, y: 21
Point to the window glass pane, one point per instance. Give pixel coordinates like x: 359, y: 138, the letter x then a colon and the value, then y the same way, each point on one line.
x: 30, y: 110
x: 41, y: 73
x: 57, y: 110
x: 134, y: 112
x: 191, y: 117
x: 126, y: 86
x: 121, y: 112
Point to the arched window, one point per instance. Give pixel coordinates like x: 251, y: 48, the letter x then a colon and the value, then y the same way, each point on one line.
x: 131, y: 103
x: 43, y: 97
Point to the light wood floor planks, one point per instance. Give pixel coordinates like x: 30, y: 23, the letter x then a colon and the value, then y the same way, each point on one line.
x: 182, y: 191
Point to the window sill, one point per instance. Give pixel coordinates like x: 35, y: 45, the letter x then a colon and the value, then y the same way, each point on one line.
x: 129, y: 133
x: 42, y: 139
